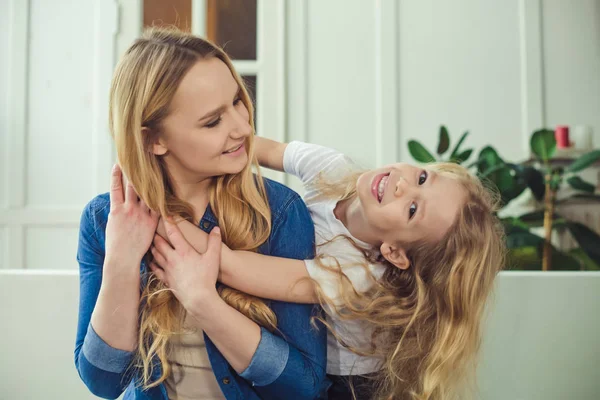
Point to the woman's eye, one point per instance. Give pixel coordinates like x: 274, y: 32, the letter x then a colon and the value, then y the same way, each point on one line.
x: 412, y: 210
x: 213, y: 123
x: 237, y: 101
x: 423, y: 177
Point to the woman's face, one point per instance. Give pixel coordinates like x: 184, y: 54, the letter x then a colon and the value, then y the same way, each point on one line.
x: 206, y: 131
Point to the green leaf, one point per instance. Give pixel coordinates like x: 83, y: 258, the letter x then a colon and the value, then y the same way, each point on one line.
x: 419, y: 153
x: 562, y: 261
x: 493, y: 170
x: 579, y: 184
x: 522, y: 239
x: 588, y: 240
x: 507, y: 184
x: 462, y: 157
x: 529, y: 258
x: 586, y: 261
x: 534, y: 180
x: 489, y: 158
x: 456, y: 149
x: 444, y: 142
x: 584, y: 161
x: 514, y: 224
x: 543, y: 144
x: 524, y: 259
x: 536, y: 219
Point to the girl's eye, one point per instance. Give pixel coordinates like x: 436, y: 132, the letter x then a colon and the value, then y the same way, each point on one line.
x: 237, y: 101
x: 213, y: 123
x: 412, y: 210
x: 423, y: 177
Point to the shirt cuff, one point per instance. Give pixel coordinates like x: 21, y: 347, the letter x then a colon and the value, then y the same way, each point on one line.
x: 269, y: 360
x: 103, y: 356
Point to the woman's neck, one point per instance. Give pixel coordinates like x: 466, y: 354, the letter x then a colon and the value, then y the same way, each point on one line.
x: 196, y: 193
x: 350, y: 214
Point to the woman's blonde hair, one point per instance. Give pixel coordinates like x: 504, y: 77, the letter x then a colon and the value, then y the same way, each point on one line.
x: 427, y: 318
x: 143, y: 87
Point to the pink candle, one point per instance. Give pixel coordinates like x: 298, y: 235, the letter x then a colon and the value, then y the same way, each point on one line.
x: 562, y: 136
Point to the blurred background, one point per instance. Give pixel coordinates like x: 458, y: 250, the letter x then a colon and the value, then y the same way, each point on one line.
x: 363, y: 76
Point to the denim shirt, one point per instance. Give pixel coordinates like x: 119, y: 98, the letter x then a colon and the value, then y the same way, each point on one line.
x: 290, y: 368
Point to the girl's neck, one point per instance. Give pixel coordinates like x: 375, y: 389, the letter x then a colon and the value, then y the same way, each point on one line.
x: 350, y: 214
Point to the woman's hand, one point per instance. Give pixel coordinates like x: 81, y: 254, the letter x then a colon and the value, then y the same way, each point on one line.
x: 190, y: 275
x: 131, y: 224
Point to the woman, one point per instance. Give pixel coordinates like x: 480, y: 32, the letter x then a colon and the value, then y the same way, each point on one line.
x: 182, y: 123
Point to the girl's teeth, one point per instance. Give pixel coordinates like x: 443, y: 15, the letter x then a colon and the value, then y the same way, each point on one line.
x: 381, y: 188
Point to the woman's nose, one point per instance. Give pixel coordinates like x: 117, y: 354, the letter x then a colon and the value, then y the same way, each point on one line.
x: 241, y: 127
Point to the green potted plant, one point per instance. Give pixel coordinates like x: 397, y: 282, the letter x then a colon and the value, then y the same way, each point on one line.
x: 527, y: 250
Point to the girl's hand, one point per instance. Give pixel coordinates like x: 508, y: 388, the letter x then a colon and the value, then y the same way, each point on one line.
x: 131, y: 224
x: 190, y: 275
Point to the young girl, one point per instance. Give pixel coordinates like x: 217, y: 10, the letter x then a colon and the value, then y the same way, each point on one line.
x: 406, y: 259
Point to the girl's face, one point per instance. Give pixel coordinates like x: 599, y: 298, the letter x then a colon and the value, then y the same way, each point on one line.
x: 207, y: 130
x: 404, y: 204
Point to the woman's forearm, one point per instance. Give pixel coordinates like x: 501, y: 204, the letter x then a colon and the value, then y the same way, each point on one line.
x: 256, y: 274
x: 115, y: 316
x: 236, y: 336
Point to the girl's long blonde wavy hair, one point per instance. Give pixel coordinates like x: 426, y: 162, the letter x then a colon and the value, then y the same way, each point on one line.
x: 427, y: 318
x: 143, y: 87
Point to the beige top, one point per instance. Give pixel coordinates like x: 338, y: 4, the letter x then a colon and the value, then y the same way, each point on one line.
x: 191, y: 377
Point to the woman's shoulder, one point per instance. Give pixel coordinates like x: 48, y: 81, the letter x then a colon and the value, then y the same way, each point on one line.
x: 281, y: 198
x: 292, y: 231
x: 96, y: 211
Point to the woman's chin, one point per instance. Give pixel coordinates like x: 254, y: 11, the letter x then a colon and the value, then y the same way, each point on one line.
x: 236, y: 166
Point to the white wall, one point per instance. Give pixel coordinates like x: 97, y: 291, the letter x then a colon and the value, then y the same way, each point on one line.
x: 362, y: 75
x: 54, y: 81
x: 571, y: 43
x: 367, y: 76
x: 56, y: 61
x: 459, y: 66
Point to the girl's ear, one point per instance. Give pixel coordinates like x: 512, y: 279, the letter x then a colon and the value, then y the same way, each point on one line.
x: 395, y: 255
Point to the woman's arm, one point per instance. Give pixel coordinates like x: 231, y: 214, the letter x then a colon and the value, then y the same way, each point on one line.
x: 269, y: 153
x: 192, y: 277
x: 301, y: 375
x: 109, y: 274
x: 290, y: 361
x: 275, y: 278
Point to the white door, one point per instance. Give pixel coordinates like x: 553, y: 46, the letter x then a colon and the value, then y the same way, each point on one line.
x: 56, y: 64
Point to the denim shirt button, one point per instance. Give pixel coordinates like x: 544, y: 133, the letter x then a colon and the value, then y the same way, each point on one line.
x: 206, y: 224
x: 226, y: 381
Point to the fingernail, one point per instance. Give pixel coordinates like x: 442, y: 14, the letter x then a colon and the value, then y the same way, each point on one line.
x: 115, y: 167
x: 216, y: 230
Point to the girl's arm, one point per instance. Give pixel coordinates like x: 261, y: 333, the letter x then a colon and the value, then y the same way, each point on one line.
x: 275, y: 278
x: 269, y: 153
